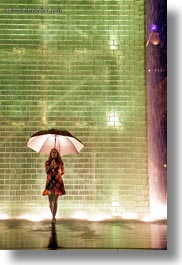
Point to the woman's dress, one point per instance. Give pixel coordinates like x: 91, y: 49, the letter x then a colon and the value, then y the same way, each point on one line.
x: 54, y: 181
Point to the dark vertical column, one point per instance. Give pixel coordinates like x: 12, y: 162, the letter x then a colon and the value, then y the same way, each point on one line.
x: 156, y: 68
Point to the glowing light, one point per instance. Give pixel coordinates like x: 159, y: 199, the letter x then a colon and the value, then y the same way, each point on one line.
x: 154, y: 38
x: 153, y: 27
x: 116, y: 212
x: 113, y: 119
x: 113, y: 44
x: 43, y: 214
x: 80, y: 215
x: 158, y: 207
x: 31, y: 217
x: 3, y: 216
x: 95, y: 217
x: 159, y: 211
x: 115, y: 204
x: 99, y: 217
x: 147, y: 218
x: 129, y: 215
x: 155, y: 217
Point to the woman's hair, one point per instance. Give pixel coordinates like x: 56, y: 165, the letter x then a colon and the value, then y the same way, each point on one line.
x: 58, y: 159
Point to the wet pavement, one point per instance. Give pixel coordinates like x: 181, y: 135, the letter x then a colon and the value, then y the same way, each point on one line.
x: 82, y: 234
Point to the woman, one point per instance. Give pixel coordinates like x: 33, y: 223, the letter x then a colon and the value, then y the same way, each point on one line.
x: 54, y: 167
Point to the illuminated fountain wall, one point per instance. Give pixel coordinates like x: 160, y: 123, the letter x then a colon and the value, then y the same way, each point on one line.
x: 79, y: 66
x: 156, y: 51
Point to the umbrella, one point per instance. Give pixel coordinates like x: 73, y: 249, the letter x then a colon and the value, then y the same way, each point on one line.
x: 43, y: 141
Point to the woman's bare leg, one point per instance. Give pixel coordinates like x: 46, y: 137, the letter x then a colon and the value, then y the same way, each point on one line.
x: 53, y: 205
x: 54, y: 211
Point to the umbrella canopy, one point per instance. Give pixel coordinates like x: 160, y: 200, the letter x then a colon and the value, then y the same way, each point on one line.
x: 43, y: 141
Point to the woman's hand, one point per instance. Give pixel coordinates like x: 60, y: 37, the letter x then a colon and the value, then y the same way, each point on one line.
x: 53, y: 163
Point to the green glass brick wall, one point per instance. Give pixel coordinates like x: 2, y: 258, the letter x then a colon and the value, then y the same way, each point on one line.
x: 80, y: 66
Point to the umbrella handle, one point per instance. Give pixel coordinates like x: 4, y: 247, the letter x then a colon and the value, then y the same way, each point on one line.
x: 55, y: 142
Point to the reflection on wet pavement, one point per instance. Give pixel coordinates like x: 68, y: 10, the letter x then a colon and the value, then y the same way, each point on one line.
x: 53, y: 238
x: 71, y: 233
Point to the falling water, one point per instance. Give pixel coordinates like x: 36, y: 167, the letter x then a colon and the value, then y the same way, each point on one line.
x: 156, y: 67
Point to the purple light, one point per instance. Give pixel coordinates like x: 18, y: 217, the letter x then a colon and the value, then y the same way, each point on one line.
x: 153, y: 27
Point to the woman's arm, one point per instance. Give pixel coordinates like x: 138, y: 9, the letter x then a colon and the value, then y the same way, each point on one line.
x: 47, y: 167
x: 61, y: 169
